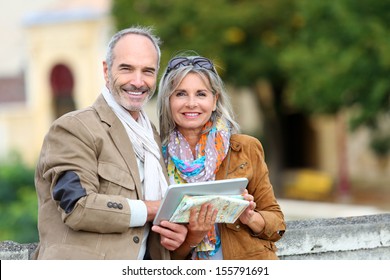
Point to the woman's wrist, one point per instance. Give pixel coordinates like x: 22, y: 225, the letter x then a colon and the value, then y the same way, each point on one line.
x: 256, y: 224
x: 191, y: 244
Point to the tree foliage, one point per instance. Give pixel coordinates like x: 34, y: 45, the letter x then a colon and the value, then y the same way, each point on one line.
x: 244, y: 37
x: 340, y: 58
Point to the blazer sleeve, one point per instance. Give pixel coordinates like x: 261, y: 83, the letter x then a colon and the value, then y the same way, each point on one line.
x: 85, y: 187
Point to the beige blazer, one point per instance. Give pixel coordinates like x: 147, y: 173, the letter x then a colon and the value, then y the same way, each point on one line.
x: 93, y: 143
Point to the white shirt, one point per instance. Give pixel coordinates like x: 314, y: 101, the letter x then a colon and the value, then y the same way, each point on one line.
x: 139, y: 213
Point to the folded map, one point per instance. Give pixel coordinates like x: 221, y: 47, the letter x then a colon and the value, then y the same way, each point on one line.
x: 229, y: 207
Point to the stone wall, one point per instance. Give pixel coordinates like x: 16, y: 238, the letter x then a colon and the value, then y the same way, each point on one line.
x: 351, y: 238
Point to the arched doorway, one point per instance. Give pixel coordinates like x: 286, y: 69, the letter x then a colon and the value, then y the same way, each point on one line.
x: 62, y: 83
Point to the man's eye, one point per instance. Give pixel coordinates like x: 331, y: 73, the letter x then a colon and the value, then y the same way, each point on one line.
x: 149, y: 71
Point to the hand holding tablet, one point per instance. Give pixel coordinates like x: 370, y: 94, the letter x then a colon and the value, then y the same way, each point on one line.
x: 222, y: 192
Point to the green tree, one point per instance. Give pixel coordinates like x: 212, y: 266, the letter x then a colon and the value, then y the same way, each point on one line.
x: 339, y: 58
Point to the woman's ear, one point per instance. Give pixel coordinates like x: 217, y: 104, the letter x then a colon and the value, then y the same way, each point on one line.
x: 215, y: 102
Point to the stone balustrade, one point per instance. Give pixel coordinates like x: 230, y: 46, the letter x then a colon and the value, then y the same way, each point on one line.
x: 344, y: 238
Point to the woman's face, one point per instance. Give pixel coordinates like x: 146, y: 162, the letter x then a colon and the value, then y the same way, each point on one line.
x: 192, y: 104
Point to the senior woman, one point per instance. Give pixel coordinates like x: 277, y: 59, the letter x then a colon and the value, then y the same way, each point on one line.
x: 201, y: 143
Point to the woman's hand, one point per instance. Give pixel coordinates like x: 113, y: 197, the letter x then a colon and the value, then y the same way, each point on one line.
x: 250, y: 217
x: 200, y: 223
x: 247, y: 216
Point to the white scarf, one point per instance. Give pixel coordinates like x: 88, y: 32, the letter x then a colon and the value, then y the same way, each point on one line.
x: 145, y: 147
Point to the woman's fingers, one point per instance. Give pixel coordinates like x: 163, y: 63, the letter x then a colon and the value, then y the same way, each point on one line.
x: 214, y: 216
x: 203, y: 219
x: 203, y: 212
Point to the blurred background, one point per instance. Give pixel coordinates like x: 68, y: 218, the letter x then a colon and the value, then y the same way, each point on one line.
x: 309, y: 79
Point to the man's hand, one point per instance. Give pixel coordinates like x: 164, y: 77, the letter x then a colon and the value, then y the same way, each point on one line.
x: 172, y: 235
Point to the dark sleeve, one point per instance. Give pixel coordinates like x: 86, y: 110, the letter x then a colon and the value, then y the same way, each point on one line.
x: 68, y: 191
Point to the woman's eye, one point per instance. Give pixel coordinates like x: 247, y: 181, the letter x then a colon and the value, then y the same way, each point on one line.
x: 180, y: 93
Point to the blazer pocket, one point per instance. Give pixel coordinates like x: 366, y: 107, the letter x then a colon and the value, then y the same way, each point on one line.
x: 239, y: 170
x: 114, y: 180
x: 235, y: 227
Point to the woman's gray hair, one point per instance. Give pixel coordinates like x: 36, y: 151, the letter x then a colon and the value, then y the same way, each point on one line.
x: 146, y: 31
x: 168, y: 84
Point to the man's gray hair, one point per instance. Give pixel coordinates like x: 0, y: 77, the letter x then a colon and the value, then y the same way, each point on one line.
x: 146, y: 31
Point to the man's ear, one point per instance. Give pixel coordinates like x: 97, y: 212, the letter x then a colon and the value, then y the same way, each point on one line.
x: 105, y: 71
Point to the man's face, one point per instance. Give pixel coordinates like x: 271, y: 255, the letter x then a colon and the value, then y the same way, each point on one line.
x: 133, y: 76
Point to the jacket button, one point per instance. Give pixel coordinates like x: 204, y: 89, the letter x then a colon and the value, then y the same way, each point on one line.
x: 237, y: 226
x: 120, y: 206
x: 136, y: 239
x: 115, y: 205
x: 109, y: 204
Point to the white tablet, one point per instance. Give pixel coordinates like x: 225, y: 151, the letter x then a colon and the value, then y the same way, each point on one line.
x: 175, y: 193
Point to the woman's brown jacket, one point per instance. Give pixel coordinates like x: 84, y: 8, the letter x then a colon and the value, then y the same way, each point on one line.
x: 246, y: 159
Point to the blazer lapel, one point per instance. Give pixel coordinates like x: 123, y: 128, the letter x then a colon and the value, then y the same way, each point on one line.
x: 125, y: 148
x: 121, y: 140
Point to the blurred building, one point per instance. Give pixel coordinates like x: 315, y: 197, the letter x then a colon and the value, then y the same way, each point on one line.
x: 60, y: 68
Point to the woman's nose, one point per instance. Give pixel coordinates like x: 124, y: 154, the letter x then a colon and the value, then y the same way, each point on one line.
x: 192, y: 103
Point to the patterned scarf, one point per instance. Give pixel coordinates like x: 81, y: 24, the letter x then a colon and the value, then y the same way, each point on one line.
x: 183, y: 168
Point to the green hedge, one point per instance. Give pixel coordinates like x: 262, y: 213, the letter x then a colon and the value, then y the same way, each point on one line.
x: 18, y: 202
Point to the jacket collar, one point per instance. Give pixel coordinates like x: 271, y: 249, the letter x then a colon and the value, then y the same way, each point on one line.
x: 235, y: 145
x: 119, y: 136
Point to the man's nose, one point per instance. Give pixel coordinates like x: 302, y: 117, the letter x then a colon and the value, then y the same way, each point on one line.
x: 137, y: 80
